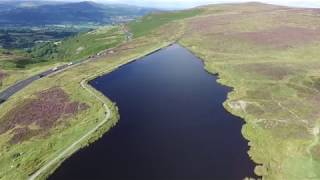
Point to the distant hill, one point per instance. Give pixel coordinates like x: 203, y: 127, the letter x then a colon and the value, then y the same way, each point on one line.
x: 47, y: 13
x: 6, y: 5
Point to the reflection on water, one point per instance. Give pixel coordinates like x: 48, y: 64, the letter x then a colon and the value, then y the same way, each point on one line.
x: 173, y: 125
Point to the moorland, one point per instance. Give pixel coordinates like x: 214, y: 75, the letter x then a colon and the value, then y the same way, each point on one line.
x: 268, y: 54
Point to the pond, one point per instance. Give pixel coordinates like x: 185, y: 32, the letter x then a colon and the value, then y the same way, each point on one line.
x: 173, y: 125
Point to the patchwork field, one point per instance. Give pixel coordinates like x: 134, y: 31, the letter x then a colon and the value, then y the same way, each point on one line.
x: 268, y: 54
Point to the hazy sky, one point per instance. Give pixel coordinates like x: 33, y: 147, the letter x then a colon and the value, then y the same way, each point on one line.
x: 192, y: 3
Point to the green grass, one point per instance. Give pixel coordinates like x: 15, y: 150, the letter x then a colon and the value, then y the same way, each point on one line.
x: 79, y: 46
x: 19, y: 65
x: 151, y: 22
x: 29, y: 159
x: 276, y: 89
x: 86, y: 44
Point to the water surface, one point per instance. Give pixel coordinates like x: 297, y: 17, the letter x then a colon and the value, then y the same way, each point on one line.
x: 172, y: 127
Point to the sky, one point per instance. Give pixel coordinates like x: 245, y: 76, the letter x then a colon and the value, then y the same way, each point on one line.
x: 181, y: 4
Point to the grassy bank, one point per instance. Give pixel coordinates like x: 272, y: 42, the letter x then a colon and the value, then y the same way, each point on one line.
x: 44, y: 56
x: 268, y: 54
x: 149, y: 23
x: 20, y: 160
x: 274, y: 79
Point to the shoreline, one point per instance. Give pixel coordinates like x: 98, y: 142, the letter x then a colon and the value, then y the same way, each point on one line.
x: 225, y: 103
x: 238, y: 122
x: 51, y: 167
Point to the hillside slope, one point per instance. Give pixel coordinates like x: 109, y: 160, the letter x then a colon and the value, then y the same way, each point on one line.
x: 35, y: 13
x: 270, y: 56
x: 16, y: 66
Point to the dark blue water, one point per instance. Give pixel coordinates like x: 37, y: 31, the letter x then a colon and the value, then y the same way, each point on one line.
x: 172, y: 127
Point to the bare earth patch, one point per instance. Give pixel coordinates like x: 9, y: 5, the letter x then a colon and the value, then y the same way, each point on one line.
x: 282, y: 37
x: 304, y: 11
x: 79, y: 50
x: 316, y: 152
x: 269, y: 70
x: 2, y: 75
x: 42, y: 112
x: 211, y: 24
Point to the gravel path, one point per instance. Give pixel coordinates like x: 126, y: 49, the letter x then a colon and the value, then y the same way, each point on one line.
x: 73, y: 146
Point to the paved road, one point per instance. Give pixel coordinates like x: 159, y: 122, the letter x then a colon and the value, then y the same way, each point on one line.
x: 74, y: 146
x: 10, y: 91
x: 6, y: 94
x: 15, y: 88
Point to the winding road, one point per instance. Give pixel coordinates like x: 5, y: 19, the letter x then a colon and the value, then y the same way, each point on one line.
x: 72, y: 147
x: 10, y: 91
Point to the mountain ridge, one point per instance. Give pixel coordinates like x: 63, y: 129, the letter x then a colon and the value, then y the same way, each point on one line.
x: 46, y: 13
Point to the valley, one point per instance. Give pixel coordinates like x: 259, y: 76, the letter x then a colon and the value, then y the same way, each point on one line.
x: 267, y: 54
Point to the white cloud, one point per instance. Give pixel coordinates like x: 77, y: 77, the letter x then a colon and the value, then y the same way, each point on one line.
x: 193, y: 3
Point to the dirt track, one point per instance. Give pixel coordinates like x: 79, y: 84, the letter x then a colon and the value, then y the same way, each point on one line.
x: 73, y: 146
